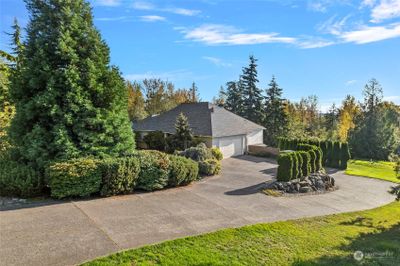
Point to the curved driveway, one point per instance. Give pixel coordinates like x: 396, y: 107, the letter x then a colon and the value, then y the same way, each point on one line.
x: 66, y: 233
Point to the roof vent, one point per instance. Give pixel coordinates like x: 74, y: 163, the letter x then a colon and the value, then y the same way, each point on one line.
x: 212, y: 109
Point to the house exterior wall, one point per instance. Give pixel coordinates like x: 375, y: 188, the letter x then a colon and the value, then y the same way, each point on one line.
x: 256, y: 137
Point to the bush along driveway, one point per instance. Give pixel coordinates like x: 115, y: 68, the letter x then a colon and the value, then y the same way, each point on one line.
x: 70, y: 232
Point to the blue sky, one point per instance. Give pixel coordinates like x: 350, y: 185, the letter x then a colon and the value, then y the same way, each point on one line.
x: 324, y: 47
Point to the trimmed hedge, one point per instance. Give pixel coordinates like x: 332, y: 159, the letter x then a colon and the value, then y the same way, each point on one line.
x: 285, y: 167
x: 306, y: 162
x: 182, y: 171
x: 78, y: 177
x: 344, y: 155
x: 17, y: 179
x: 119, y: 175
x: 334, y: 154
x: 209, y: 167
x: 154, y: 170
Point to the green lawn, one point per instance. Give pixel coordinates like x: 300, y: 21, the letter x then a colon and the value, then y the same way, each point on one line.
x: 326, y: 240
x: 377, y: 169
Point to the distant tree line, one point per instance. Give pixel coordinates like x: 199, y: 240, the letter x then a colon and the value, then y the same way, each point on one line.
x: 372, y: 127
x: 154, y: 96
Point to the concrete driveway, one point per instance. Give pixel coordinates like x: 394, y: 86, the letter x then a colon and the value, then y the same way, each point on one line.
x: 66, y: 233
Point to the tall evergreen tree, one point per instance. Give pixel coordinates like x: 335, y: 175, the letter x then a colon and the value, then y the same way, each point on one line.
x: 365, y: 140
x: 276, y: 120
x: 234, y: 101
x: 194, y: 94
x: 69, y: 101
x: 252, y: 95
x: 331, y: 122
x: 221, y: 99
x: 183, y: 133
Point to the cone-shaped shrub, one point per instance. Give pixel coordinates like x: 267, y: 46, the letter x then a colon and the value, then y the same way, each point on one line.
x: 306, y: 163
x: 344, y: 155
x: 336, y: 153
x: 299, y: 165
x: 295, y: 166
x: 285, y: 167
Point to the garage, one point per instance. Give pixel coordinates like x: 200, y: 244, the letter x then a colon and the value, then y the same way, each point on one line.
x: 230, y: 146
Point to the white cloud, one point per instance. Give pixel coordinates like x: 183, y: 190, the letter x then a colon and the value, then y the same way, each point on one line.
x: 368, y: 3
x: 108, y: 2
x: 182, y: 11
x: 351, y: 82
x: 386, y: 9
x: 217, y: 61
x: 152, y: 18
x: 215, y: 34
x: 319, y: 6
x: 141, y: 5
x: 317, y: 43
x: 333, y: 26
x: 367, y: 34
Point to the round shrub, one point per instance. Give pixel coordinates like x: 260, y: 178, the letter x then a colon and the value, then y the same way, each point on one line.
x: 217, y: 154
x: 17, y: 179
x: 77, y: 177
x: 209, y: 167
x: 119, y: 175
x: 182, y: 171
x: 154, y: 170
x: 198, y: 153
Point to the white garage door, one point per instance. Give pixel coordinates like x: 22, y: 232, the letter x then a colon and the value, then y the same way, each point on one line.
x: 231, y: 146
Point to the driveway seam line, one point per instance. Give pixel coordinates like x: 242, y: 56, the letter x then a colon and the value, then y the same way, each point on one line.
x: 97, y: 226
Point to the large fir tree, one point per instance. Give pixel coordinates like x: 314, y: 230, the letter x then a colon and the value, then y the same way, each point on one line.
x: 234, y: 101
x: 276, y: 120
x: 252, y: 95
x: 367, y: 139
x: 69, y: 101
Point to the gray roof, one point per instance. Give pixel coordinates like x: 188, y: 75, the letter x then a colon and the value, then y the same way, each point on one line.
x: 205, y: 119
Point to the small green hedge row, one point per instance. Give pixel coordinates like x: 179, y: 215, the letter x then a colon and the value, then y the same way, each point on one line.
x: 208, y: 159
x: 146, y: 170
x: 77, y: 177
x: 18, y: 179
x: 299, y: 164
x: 335, y: 154
x: 119, y: 175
